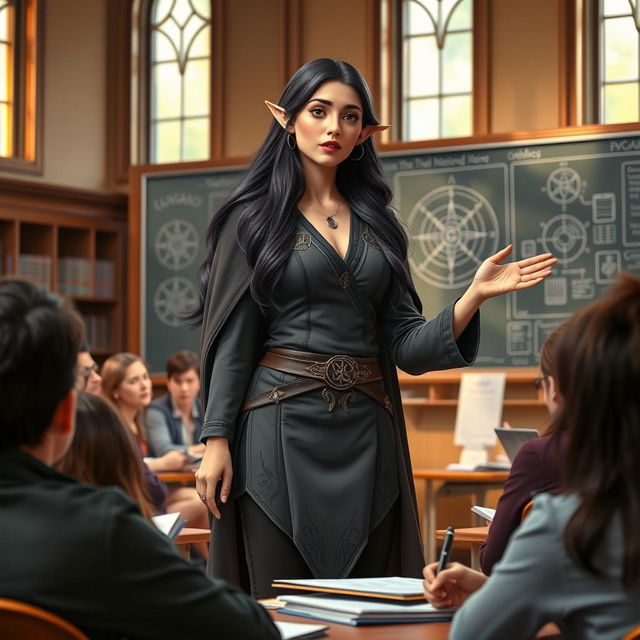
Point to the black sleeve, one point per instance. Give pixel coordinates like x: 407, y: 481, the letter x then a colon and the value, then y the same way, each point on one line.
x: 235, y: 353
x: 418, y: 345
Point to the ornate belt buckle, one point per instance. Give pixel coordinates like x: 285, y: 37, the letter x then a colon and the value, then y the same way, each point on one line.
x: 341, y: 372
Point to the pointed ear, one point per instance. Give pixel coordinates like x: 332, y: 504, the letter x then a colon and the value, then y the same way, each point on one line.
x: 278, y: 113
x: 370, y: 129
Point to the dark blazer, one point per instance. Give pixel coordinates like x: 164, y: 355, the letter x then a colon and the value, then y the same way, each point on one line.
x: 537, y: 468
x: 86, y: 554
x: 164, y: 406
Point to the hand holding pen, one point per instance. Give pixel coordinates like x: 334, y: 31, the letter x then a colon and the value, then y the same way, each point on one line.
x: 449, y: 584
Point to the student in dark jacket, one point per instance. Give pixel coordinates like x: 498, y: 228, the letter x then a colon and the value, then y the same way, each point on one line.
x: 174, y: 421
x: 537, y: 467
x: 82, y: 552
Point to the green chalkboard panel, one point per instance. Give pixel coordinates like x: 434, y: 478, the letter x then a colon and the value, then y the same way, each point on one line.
x: 177, y: 208
x: 578, y: 198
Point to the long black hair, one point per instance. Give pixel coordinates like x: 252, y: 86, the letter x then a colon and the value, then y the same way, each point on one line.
x: 275, y: 182
x: 598, y: 376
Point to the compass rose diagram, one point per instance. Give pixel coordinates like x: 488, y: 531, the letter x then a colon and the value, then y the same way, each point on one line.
x: 176, y: 244
x: 454, y: 229
x: 174, y: 298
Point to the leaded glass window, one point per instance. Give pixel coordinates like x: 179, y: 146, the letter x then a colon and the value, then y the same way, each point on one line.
x: 619, y: 26
x: 437, y: 68
x: 180, y: 77
x: 7, y: 48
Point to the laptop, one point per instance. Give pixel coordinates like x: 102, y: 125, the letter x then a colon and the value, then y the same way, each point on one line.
x: 512, y: 439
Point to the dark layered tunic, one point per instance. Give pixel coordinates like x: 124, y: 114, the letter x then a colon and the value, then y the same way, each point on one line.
x: 325, y: 466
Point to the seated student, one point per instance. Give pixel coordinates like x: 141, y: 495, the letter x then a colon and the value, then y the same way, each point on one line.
x: 99, y: 429
x: 87, y: 377
x: 537, y: 467
x: 174, y: 421
x: 85, y: 553
x: 575, y: 560
x: 126, y: 383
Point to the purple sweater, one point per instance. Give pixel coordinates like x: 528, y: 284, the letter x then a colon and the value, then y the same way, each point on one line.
x: 537, y: 468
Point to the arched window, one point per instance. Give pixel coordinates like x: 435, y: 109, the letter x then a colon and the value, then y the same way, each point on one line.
x: 431, y: 68
x: 19, y: 85
x: 176, y: 81
x: 618, y: 97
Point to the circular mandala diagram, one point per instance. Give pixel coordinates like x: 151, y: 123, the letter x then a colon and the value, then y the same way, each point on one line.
x: 564, y: 185
x: 455, y: 228
x: 173, y: 298
x: 176, y: 244
x: 564, y: 236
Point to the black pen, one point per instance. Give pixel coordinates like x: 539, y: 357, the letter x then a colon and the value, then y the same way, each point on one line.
x: 446, y: 550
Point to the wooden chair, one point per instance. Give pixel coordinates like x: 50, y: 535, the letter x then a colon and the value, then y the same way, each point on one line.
x: 525, y: 510
x: 634, y: 634
x: 22, y: 621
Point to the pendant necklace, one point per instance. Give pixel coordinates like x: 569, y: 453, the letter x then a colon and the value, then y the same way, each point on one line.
x: 331, y: 223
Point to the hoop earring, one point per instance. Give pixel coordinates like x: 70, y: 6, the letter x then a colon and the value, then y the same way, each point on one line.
x: 360, y: 156
x: 291, y: 142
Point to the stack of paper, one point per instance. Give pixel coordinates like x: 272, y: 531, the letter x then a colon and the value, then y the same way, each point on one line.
x: 392, y: 588
x: 361, y: 611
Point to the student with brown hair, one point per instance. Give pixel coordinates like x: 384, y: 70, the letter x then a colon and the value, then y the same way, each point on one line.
x: 126, y: 383
x: 104, y: 453
x: 537, y: 467
x: 81, y: 552
x: 174, y: 421
x: 575, y: 561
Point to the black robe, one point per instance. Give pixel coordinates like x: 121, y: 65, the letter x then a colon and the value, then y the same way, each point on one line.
x: 325, y: 468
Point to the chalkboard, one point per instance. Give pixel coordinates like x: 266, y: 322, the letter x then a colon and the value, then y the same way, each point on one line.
x: 578, y: 198
x: 176, y: 210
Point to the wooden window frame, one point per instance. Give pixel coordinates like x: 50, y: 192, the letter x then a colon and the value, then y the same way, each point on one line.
x: 592, y: 56
x: 27, y: 95
x: 143, y: 88
x: 392, y: 84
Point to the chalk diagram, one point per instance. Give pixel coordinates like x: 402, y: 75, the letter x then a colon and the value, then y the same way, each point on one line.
x: 564, y: 236
x: 176, y: 244
x: 454, y: 228
x: 173, y: 298
x: 564, y: 185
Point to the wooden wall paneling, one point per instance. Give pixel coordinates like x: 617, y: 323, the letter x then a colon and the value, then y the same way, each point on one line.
x: 119, y: 24
x: 291, y: 38
x: 217, y: 85
x: 567, y: 63
x: 481, y: 67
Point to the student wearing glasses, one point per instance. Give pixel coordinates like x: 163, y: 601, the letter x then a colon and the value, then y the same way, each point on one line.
x: 87, y: 372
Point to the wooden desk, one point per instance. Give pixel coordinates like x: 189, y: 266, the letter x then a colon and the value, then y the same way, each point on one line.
x: 475, y: 535
x: 441, y: 482
x: 178, y: 477
x: 410, y: 631
x: 188, y: 536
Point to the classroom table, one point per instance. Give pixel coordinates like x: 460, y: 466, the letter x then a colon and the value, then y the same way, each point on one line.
x: 439, y: 482
x: 188, y: 536
x: 187, y: 478
x: 475, y: 535
x: 409, y: 631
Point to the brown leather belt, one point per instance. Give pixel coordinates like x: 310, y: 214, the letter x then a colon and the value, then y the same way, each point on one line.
x: 339, y: 372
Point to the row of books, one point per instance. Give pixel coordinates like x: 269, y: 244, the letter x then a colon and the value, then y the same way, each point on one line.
x: 99, y: 330
x: 74, y: 274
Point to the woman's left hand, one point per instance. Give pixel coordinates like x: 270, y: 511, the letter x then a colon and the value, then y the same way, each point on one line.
x: 493, y: 279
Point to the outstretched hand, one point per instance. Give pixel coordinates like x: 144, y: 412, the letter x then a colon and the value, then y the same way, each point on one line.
x: 493, y: 279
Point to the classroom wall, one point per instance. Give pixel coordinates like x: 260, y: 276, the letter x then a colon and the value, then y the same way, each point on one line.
x: 74, y: 99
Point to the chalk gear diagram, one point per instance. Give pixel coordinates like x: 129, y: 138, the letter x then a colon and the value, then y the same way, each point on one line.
x: 454, y: 229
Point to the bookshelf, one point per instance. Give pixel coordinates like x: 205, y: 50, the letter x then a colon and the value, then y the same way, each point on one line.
x: 70, y: 241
